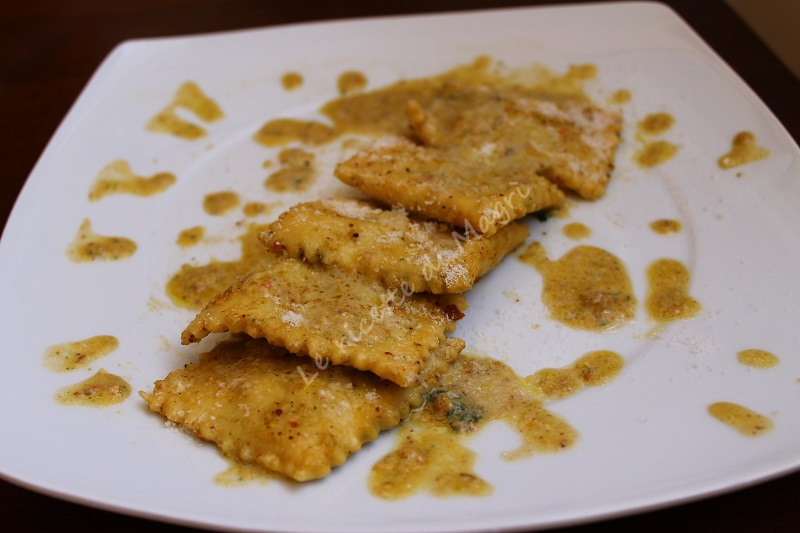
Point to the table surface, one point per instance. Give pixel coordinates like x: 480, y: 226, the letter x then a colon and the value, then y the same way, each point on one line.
x: 50, y: 48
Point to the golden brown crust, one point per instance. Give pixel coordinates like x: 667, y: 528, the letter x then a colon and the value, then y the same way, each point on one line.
x: 264, y: 406
x: 361, y: 237
x: 327, y: 313
x: 467, y: 189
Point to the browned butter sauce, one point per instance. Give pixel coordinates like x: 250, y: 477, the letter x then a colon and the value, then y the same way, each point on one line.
x: 758, y: 358
x: 576, y: 231
x: 291, y: 81
x: 74, y: 355
x: 297, y: 172
x: 382, y: 111
x: 282, y: 131
x: 621, y: 96
x: 351, y: 82
x: 192, y: 287
x: 740, y: 418
x: 188, y: 96
x: 254, y: 209
x: 118, y: 178
x: 191, y: 236
x: 588, y: 288
x: 668, y: 298
x: 665, y: 226
x: 655, y: 153
x: 592, y: 369
x: 238, y: 474
x: 475, y: 392
x: 656, y: 124
x: 100, y: 390
x: 219, y: 203
x: 743, y: 150
x: 90, y: 246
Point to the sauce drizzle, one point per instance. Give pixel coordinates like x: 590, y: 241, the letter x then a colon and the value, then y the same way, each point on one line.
x: 118, y: 178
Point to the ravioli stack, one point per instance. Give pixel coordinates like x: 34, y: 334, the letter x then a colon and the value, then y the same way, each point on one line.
x: 347, y: 329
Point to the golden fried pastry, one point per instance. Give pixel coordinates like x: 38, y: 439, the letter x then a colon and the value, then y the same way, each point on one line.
x: 465, y: 187
x: 571, y: 142
x: 331, y: 314
x: 359, y: 236
x: 264, y: 406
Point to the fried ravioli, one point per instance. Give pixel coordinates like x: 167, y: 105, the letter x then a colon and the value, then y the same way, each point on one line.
x: 359, y: 236
x: 328, y: 313
x: 264, y: 406
x: 467, y: 187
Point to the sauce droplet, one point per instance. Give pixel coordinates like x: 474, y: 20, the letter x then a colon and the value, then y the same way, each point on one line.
x: 291, y: 81
x: 576, y: 231
x: 758, y: 358
x: 351, y: 82
x: 219, y: 203
x: 655, y: 153
x: 668, y: 299
x: 664, y: 226
x: 742, y: 419
x: 188, y: 96
x: 656, y: 123
x: 743, y: 150
x: 90, y: 246
x: 118, y: 178
x: 588, y: 288
x: 78, y: 354
x: 100, y: 390
x: 282, y: 131
x: 590, y: 370
x: 191, y: 236
x: 297, y: 172
x: 621, y: 96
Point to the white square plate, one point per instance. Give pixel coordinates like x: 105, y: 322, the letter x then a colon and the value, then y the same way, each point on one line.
x: 646, y: 439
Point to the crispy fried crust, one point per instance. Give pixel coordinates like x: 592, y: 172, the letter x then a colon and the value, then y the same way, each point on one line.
x: 327, y: 313
x: 261, y: 405
x: 359, y: 236
x: 464, y: 187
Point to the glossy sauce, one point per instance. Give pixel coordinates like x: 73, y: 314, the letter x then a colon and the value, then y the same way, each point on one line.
x: 219, y: 203
x: 668, y: 298
x: 192, y: 287
x: 191, y: 236
x: 239, y: 474
x: 476, y: 391
x: 655, y: 153
x: 622, y: 96
x: 592, y: 369
x: 78, y: 354
x: 656, y: 124
x: 351, y: 82
x: 588, y: 288
x: 664, y: 226
x: 740, y: 418
x: 297, y: 172
x: 758, y: 358
x: 118, y: 178
x: 282, y: 131
x: 90, y: 246
x: 743, y: 150
x: 100, y: 390
x: 254, y: 209
x: 189, y: 96
x: 576, y: 231
x: 382, y: 111
x: 291, y: 81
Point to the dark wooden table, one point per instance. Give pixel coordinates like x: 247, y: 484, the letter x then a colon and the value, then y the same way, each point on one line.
x: 50, y: 49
